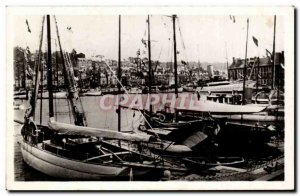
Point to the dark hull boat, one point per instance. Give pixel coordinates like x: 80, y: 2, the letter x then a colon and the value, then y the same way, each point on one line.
x: 204, y: 163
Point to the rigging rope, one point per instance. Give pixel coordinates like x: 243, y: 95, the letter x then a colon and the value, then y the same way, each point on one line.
x: 182, y: 42
x: 125, y: 90
x: 56, y: 62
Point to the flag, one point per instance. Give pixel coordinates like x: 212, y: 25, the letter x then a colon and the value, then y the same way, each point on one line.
x: 144, y: 42
x: 183, y: 62
x: 28, y: 50
x: 28, y: 26
x: 255, y: 41
x: 232, y: 18
x: 269, y: 54
x: 29, y: 72
x: 69, y: 29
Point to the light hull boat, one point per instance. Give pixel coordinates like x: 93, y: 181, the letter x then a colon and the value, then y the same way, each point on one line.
x: 95, y: 93
x: 227, y: 88
x: 57, y: 95
x: 60, y: 167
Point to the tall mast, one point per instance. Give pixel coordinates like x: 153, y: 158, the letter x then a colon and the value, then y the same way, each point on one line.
x: 150, y: 67
x: 175, y: 55
x: 274, y: 63
x: 73, y: 97
x: 245, y: 64
x: 49, y: 68
x: 38, y: 71
x: 24, y: 73
x: 119, y: 78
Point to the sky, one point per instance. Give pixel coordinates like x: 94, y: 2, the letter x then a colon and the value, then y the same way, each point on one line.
x: 199, y: 38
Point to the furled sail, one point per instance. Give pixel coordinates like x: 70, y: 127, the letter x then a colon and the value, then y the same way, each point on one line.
x: 217, y: 108
x: 97, y: 132
x: 188, y: 103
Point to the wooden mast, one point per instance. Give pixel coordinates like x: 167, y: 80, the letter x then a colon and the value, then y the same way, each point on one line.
x: 274, y: 63
x: 49, y: 68
x: 175, y: 55
x: 38, y: 72
x: 245, y: 65
x: 24, y: 74
x: 150, y: 68
x: 73, y: 97
x: 228, y: 76
x: 119, y: 78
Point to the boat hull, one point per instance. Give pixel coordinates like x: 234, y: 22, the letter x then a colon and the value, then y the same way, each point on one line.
x: 98, y: 93
x: 60, y: 167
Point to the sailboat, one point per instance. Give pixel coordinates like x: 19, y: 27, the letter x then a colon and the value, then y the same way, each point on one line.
x: 76, y: 151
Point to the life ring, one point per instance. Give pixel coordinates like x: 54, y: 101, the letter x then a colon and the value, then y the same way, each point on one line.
x: 161, y: 117
x: 256, y: 97
x: 142, y: 128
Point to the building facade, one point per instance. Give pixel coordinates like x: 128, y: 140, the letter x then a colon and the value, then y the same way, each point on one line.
x: 259, y: 69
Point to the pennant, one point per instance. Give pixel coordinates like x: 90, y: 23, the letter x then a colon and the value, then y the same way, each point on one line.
x: 255, y: 41
x: 28, y: 28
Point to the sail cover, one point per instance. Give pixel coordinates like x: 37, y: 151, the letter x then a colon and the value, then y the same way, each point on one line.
x: 97, y: 132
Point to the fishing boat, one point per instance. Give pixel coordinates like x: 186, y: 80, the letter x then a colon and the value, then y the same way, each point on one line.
x: 92, y: 93
x: 56, y: 95
x: 170, y: 89
x: 190, y: 87
x: 225, y: 87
